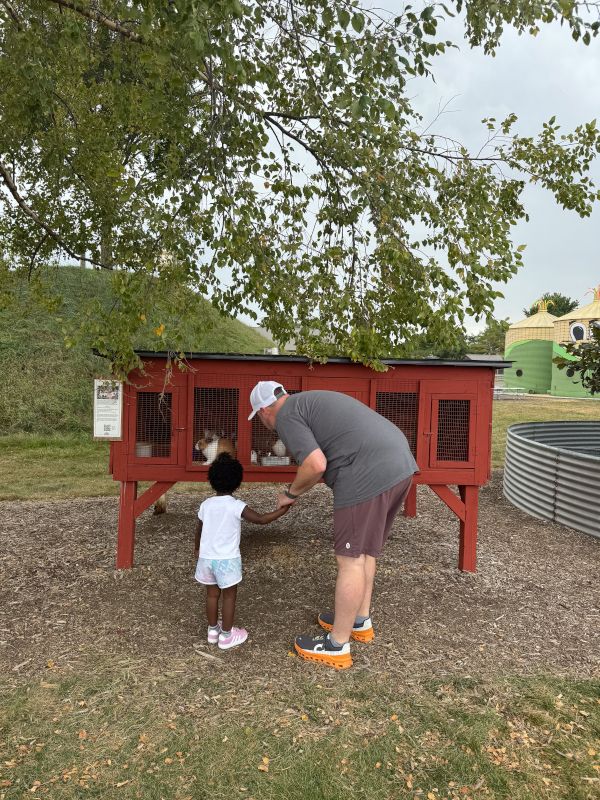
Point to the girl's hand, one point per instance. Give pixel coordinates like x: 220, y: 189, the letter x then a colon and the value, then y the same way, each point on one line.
x: 283, y: 500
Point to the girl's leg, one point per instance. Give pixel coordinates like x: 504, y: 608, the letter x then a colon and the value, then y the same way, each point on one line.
x: 229, y: 597
x: 212, y: 604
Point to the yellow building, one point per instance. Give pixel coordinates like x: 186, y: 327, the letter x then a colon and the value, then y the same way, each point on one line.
x: 575, y: 326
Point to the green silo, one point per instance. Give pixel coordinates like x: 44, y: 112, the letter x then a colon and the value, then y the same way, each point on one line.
x: 529, y: 345
x: 563, y: 384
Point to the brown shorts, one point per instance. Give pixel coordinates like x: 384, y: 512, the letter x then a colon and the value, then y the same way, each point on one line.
x: 364, y: 528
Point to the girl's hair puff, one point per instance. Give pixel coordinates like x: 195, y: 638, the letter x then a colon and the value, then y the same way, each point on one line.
x: 225, y: 474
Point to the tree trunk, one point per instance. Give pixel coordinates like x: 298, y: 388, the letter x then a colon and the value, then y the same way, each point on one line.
x: 106, y: 246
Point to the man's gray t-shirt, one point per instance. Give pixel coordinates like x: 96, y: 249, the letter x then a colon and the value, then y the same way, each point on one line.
x: 366, y: 453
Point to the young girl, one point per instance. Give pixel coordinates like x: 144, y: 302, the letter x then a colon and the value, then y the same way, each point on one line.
x: 218, y: 551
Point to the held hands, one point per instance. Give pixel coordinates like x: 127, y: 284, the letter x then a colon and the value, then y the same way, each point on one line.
x: 284, y: 502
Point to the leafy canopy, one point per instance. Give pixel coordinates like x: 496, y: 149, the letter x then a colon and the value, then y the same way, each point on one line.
x: 558, y: 304
x: 267, y: 155
x: 492, y: 338
x: 490, y: 341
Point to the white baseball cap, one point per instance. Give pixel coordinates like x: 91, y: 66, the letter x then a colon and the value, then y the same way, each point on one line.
x: 264, y: 394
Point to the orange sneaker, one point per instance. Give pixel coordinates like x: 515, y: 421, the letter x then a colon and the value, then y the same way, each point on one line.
x: 362, y: 632
x: 319, y: 648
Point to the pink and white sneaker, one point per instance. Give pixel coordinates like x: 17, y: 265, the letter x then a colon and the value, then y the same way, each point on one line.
x: 236, y: 637
x: 213, y: 634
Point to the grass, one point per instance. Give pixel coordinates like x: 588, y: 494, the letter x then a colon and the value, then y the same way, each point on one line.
x: 124, y: 732
x: 58, y: 466
x: 50, y: 384
x: 509, y: 412
x: 73, y: 465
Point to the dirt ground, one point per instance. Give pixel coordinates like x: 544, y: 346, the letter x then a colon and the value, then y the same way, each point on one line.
x: 533, y: 605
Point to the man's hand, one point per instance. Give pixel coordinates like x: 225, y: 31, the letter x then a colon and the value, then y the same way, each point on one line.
x: 283, y: 500
x: 308, y: 474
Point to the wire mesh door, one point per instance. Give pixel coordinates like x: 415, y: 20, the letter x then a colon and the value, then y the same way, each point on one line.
x: 453, y: 430
x: 215, y: 423
x: 154, y: 425
x: 401, y: 408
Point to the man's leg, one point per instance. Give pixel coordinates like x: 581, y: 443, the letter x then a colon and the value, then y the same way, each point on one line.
x: 370, y: 567
x: 354, y: 585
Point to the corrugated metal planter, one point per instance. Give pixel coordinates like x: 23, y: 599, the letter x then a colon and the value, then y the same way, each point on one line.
x: 552, y: 471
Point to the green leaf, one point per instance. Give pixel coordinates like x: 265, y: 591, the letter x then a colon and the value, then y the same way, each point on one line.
x: 343, y: 17
x: 566, y: 6
x: 358, y: 22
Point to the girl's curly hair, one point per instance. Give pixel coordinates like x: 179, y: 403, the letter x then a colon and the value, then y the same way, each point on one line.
x: 225, y: 474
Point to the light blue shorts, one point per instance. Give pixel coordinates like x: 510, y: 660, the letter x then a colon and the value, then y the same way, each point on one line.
x: 224, y: 572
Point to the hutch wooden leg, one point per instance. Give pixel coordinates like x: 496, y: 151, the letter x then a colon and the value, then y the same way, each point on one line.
x: 467, y: 550
x: 410, y: 504
x: 126, y: 535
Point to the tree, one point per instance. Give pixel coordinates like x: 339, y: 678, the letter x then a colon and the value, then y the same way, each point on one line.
x: 267, y: 155
x: 586, y: 367
x: 492, y: 339
x: 426, y: 346
x: 557, y: 304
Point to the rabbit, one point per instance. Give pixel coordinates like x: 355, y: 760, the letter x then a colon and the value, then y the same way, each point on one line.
x: 211, y: 445
x: 279, y: 448
x: 160, y: 507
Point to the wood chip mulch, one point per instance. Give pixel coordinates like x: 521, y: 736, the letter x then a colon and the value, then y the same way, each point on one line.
x: 532, y: 607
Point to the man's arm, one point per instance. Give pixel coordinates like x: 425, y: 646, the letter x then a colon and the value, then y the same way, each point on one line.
x: 308, y: 475
x: 197, y: 533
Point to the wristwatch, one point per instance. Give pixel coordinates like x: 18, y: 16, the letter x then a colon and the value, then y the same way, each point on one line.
x: 291, y: 496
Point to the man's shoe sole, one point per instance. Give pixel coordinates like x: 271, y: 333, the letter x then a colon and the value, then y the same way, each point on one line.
x: 358, y: 636
x: 337, y: 662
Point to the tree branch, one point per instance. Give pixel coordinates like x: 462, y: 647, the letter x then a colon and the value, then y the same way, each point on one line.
x: 10, y: 184
x: 454, y: 158
x: 12, y: 13
x: 98, y: 16
x: 65, y: 105
x: 285, y: 115
x: 268, y: 117
x: 35, y: 253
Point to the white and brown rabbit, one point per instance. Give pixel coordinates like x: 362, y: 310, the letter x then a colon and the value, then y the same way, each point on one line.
x: 212, y: 445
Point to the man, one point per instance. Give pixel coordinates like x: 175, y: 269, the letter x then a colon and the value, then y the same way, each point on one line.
x: 365, y: 459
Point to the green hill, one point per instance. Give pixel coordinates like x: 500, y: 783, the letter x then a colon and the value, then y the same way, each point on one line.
x: 47, y: 387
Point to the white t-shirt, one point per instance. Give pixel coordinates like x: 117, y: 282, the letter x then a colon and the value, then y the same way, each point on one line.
x: 221, y: 527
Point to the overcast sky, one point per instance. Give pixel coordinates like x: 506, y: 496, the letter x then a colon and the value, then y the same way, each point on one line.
x: 536, y: 78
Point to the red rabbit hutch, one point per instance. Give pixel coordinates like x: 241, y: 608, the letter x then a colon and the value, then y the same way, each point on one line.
x: 443, y: 407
